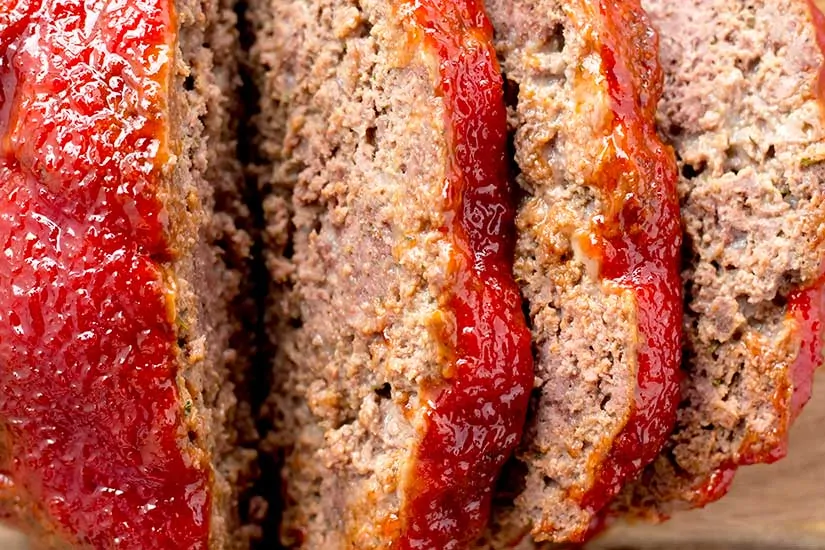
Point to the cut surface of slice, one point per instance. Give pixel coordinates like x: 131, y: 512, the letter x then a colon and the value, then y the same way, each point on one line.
x: 741, y: 109
x: 117, y: 414
x: 597, y: 255
x: 404, y: 368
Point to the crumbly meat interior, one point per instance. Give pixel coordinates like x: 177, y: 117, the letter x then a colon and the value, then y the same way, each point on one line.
x: 584, y: 329
x: 740, y: 109
x: 353, y: 140
x: 351, y: 134
x: 209, y: 224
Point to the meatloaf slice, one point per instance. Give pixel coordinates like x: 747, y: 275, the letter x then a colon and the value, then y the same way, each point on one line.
x: 597, y: 254
x: 121, y: 270
x: 741, y: 109
x: 403, y: 368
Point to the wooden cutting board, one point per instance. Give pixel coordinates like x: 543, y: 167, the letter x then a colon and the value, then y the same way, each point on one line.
x: 9, y: 540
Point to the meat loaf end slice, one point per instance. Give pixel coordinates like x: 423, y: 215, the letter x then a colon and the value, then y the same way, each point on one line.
x: 740, y: 107
x: 119, y: 340
x: 597, y: 255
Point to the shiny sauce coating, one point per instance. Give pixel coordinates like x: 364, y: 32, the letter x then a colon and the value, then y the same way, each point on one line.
x: 638, y: 236
x: 475, y: 415
x: 807, y: 304
x: 89, y: 405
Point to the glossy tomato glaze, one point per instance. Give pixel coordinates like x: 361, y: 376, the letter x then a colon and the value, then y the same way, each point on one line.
x: 88, y: 398
x: 475, y: 415
x: 807, y: 306
x: 638, y: 237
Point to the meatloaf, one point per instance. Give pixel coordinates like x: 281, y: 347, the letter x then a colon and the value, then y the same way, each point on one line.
x: 122, y: 263
x: 741, y: 107
x: 403, y: 369
x: 596, y: 258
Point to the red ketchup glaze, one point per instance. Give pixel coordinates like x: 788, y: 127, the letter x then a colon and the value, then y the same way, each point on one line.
x: 717, y: 485
x: 639, y: 239
x: 475, y: 415
x: 807, y: 305
x: 89, y: 408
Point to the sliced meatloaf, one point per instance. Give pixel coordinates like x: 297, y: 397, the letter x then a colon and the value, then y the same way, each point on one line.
x: 741, y: 108
x: 403, y: 368
x: 122, y: 265
x: 596, y: 259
